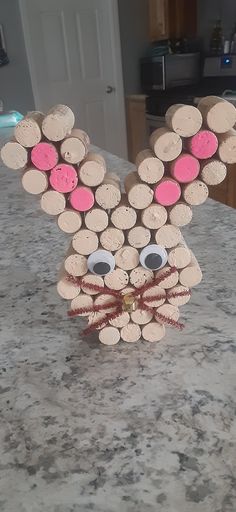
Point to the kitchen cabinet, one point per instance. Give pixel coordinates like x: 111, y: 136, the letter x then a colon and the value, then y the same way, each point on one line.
x: 226, y: 191
x: 158, y: 19
x: 172, y: 19
x: 136, y: 125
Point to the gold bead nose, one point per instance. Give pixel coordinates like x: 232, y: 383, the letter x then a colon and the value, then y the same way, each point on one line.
x: 129, y: 303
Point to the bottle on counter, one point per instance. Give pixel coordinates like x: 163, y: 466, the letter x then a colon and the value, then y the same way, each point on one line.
x: 233, y: 40
x: 216, y: 41
x: 226, y: 46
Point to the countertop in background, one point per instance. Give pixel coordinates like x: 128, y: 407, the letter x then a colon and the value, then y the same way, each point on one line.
x: 133, y: 428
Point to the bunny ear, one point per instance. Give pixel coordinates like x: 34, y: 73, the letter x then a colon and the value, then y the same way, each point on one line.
x: 190, y: 153
x: 58, y: 165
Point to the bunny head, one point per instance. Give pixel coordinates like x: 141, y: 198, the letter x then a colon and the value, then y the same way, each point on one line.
x: 127, y: 269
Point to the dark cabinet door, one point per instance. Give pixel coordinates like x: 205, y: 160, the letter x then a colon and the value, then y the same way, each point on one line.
x: 172, y: 19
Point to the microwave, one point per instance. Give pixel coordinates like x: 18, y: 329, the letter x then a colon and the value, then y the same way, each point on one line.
x: 163, y: 72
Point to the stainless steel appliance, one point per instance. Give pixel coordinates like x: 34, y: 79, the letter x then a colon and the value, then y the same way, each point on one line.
x: 219, y: 77
x: 219, y: 66
x: 163, y: 72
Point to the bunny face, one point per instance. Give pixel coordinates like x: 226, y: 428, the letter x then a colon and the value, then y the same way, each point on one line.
x: 127, y: 268
x: 131, y: 276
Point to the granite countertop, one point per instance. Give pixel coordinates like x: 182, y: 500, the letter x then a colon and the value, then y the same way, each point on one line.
x: 133, y: 428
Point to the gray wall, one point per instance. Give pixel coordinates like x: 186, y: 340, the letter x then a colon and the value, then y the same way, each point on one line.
x: 133, y: 18
x: 15, y: 84
x: 209, y: 11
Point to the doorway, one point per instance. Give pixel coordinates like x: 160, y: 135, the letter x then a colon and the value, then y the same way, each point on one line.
x: 73, y: 49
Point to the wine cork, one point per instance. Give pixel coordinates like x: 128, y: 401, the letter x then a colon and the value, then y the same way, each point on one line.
x: 112, y: 239
x: 34, y: 181
x: 82, y: 301
x: 128, y: 290
x: 140, y: 276
x: 168, y: 236
x: 154, y: 216
x: 63, y: 178
x: 169, y: 311
x: 180, y: 300
x: 92, y: 170
x: 44, y: 156
x: 81, y: 199
x: 53, y: 202
x: 96, y: 220
x: 124, y: 216
x: 139, y: 237
x: 150, y: 168
x: 180, y: 214
x: 69, y: 221
x: 65, y: 288
x: 121, y: 320
x: 179, y: 257
x: 139, y: 194
x: 195, y: 193
x: 58, y: 123
x: 169, y: 281
x: 117, y: 279
x: 14, y: 155
x: 130, y: 333
x: 28, y: 131
x: 94, y: 280
x: 153, y: 332
x: 97, y: 317
x: 102, y: 300
x: 127, y: 258
x: 185, y: 168
x: 227, y: 147
x: 76, y: 265
x: 85, y: 242
x: 185, y: 120
x: 108, y: 194
x: 75, y: 146
x: 141, y: 316
x: 191, y: 275
x: 213, y: 172
x: 203, y: 145
x: 154, y: 290
x: 167, y: 145
x: 167, y: 192
x: 80, y: 134
x: 109, y: 335
x: 218, y: 114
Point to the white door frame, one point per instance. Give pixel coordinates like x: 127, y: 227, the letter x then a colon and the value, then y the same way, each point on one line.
x: 116, y: 50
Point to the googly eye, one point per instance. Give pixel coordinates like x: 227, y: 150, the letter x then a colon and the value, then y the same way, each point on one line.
x: 153, y: 257
x: 101, y: 262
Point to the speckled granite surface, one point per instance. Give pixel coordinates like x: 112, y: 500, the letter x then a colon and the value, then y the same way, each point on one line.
x: 133, y: 428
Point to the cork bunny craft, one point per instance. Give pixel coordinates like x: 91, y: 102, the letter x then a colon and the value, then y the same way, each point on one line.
x: 128, y: 268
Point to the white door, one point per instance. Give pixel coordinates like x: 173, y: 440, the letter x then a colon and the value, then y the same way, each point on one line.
x: 73, y: 48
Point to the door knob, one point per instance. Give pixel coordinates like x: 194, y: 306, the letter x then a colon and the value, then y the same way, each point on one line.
x: 110, y: 89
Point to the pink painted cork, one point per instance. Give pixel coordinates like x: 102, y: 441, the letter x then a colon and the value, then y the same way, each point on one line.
x: 44, y: 156
x: 185, y: 168
x: 82, y: 199
x: 63, y: 178
x: 167, y: 192
x: 203, y: 145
